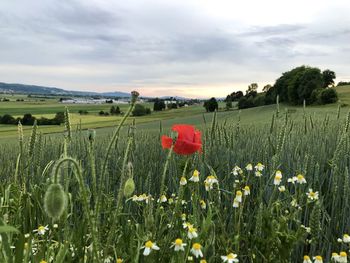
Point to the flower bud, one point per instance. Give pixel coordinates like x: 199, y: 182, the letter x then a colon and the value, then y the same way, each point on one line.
x: 134, y: 96
x: 129, y: 187
x: 55, y: 201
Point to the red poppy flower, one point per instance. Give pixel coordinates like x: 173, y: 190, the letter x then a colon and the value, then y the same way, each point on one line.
x: 188, y: 140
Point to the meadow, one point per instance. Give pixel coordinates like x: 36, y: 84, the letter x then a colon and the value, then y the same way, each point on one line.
x: 270, y: 184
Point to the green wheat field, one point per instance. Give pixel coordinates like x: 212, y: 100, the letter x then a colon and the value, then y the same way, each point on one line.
x: 270, y: 185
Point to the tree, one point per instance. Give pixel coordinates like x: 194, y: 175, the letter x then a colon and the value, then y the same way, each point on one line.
x: 328, y: 96
x: 211, y: 105
x: 158, y: 105
x: 59, y: 118
x: 328, y: 78
x: 296, y: 85
x: 140, y: 110
x: 228, y: 101
x: 117, y: 110
x: 252, y: 90
x: 28, y: 119
x: 112, y: 110
x: 267, y: 87
x: 8, y: 119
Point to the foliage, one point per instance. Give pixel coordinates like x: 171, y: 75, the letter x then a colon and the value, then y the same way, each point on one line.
x: 328, y: 78
x: 343, y: 83
x: 115, y: 110
x: 211, y: 105
x: 29, y: 119
x: 158, y: 105
x: 299, y: 84
x: 328, y: 96
x: 141, y: 110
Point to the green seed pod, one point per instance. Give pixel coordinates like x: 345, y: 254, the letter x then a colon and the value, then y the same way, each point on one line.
x: 55, y: 201
x: 129, y: 187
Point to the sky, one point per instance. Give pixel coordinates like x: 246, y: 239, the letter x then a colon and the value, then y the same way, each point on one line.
x: 191, y: 48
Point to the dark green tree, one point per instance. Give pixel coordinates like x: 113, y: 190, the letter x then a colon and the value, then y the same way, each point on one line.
x: 211, y: 105
x: 328, y: 78
x: 158, y: 105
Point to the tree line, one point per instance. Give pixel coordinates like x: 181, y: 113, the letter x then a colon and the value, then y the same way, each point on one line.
x: 29, y: 119
x: 300, y: 84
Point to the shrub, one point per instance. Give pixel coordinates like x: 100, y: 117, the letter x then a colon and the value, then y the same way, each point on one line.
x: 328, y: 96
x: 140, y: 110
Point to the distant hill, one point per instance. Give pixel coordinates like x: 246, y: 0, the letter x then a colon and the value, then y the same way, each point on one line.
x: 33, y: 89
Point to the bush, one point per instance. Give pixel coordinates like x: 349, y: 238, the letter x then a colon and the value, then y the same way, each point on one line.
x: 172, y: 106
x: 328, y: 96
x: 83, y: 112
x: 245, y: 103
x: 140, y: 110
x: 28, y: 119
x: 7, y: 119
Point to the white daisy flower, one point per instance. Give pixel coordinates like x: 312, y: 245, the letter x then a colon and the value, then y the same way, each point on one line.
x: 307, y: 259
x: 183, y: 181
x: 192, y: 232
x: 149, y: 246
x: 236, y: 170
x: 41, y: 230
x: 230, y: 258
x: 195, y: 176
x: 259, y: 167
x: 312, y: 195
x: 249, y: 167
x: 301, y: 179
x: 196, y: 250
x: 318, y: 259
x: 246, y: 190
x: 178, y: 245
x: 346, y: 238
x: 282, y: 188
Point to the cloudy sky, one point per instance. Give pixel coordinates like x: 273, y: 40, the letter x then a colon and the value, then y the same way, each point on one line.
x: 194, y: 48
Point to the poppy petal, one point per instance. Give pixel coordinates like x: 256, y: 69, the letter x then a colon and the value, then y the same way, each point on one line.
x: 185, y: 132
x: 166, y: 142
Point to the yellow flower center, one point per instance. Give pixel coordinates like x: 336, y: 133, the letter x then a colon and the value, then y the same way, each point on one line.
x: 334, y: 254
x: 343, y: 254
x: 196, y: 246
x: 41, y: 228
x: 43, y: 261
x: 278, y: 177
x: 119, y: 260
x: 318, y: 257
x: 231, y: 256
x: 346, y: 236
x: 191, y: 229
x: 149, y: 244
x: 238, y: 193
x: 306, y: 257
x: 246, y: 188
x: 178, y: 242
x: 312, y: 194
x: 195, y: 173
x: 300, y: 177
x: 203, y: 261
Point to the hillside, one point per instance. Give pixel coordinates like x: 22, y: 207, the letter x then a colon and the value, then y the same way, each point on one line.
x: 33, y: 89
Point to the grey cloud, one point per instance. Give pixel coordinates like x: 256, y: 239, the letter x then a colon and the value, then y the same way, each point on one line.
x: 158, y: 44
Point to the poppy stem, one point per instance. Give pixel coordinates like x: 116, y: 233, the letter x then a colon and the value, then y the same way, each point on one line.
x: 162, y: 184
